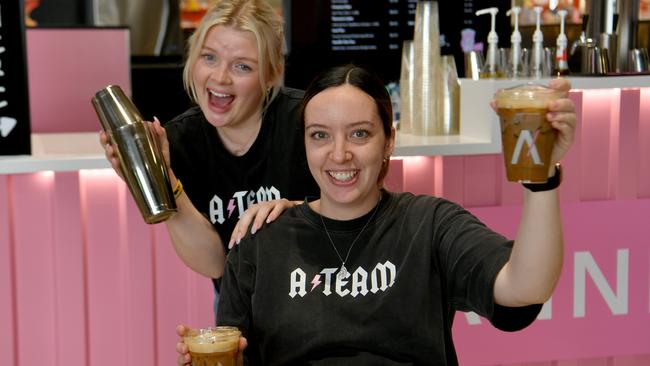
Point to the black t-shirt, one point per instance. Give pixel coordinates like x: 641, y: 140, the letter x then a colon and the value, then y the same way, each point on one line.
x: 416, y: 263
x: 222, y: 186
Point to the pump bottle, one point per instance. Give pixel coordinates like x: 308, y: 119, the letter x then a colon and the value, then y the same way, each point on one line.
x: 561, y: 63
x: 536, y: 61
x: 491, y: 68
x: 515, y: 67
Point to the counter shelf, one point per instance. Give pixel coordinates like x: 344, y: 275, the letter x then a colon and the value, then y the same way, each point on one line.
x: 479, y: 125
x: 479, y: 131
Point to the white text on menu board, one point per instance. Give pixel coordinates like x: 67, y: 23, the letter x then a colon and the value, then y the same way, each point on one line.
x: 349, y: 33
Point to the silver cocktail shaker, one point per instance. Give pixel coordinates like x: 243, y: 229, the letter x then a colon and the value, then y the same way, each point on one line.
x: 141, y: 159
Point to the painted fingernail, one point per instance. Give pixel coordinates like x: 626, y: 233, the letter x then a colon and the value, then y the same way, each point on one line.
x: 238, y: 239
x: 253, y: 230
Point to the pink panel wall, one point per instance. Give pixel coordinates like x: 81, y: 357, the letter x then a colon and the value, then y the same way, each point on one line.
x: 7, y: 288
x: 86, y: 278
x: 453, y: 169
x: 481, y: 182
x: 66, y: 68
x: 70, y: 271
x: 425, y: 181
x: 595, y: 144
x: 643, y: 157
x: 140, y: 289
x: 394, y: 180
x: 103, y: 204
x: 35, y: 300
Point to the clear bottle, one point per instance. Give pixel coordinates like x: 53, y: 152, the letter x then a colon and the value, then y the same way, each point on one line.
x: 515, y: 65
x: 491, y: 69
x: 561, y: 61
x: 536, y: 68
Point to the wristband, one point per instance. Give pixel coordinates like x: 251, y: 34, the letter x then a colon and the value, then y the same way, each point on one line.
x: 178, y: 190
x: 552, y: 183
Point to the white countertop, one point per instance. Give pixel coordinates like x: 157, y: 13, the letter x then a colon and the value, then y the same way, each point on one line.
x: 479, y: 131
x: 61, y: 152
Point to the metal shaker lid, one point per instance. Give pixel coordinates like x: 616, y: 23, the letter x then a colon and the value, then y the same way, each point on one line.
x: 115, y: 109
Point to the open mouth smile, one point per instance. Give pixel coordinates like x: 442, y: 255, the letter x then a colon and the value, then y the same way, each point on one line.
x: 220, y: 100
x: 343, y: 176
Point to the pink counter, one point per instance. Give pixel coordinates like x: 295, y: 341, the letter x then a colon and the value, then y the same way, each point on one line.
x: 83, y: 281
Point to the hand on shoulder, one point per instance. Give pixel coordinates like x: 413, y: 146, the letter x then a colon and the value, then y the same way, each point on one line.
x: 256, y: 215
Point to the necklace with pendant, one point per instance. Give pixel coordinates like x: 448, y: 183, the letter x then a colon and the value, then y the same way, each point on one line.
x: 343, y: 272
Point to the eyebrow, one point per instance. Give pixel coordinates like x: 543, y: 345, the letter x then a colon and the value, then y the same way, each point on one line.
x: 352, y: 125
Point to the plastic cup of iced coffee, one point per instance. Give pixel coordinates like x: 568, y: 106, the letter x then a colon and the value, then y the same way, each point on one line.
x: 213, y: 346
x: 527, y: 137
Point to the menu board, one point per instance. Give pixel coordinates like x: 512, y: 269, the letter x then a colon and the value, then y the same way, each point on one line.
x: 355, y: 26
x: 14, y: 99
x: 325, y: 33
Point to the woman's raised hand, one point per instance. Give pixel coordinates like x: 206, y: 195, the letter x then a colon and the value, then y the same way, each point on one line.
x: 110, y: 151
x: 562, y: 115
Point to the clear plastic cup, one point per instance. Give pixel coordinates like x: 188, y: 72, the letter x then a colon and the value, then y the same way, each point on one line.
x: 527, y: 136
x: 213, y: 346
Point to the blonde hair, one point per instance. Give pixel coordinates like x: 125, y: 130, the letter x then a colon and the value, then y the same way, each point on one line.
x: 256, y: 16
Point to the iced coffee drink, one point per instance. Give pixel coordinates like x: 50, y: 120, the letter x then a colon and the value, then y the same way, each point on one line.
x: 527, y: 136
x: 214, y: 346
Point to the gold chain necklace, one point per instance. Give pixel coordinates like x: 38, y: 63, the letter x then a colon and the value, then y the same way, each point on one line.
x: 343, y: 272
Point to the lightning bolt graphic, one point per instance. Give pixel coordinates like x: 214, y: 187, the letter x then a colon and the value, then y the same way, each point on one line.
x: 231, y: 207
x: 315, y: 282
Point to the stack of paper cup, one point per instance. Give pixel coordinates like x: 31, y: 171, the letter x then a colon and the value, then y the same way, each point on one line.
x: 406, y: 85
x: 426, y: 44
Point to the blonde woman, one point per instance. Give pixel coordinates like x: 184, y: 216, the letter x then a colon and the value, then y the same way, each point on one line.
x: 241, y: 144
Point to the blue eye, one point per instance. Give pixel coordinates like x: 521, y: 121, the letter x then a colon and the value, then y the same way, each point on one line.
x: 208, y: 57
x: 243, y: 68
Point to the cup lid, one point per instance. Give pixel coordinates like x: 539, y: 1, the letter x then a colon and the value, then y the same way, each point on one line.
x: 530, y: 95
x: 209, y: 334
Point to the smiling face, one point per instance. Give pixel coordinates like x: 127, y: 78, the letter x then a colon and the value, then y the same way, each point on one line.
x: 346, y: 146
x: 226, y: 78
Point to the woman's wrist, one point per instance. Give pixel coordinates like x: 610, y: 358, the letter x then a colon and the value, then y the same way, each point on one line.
x: 552, y: 183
